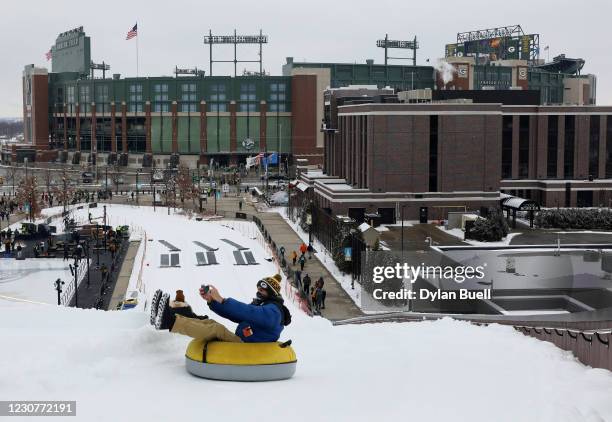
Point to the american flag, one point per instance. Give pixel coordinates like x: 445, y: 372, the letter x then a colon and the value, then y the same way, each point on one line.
x: 48, y: 55
x: 132, y: 33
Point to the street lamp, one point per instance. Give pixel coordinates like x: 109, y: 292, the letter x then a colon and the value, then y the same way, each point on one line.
x: 353, y: 232
x: 75, y: 272
x: 137, y: 173
x: 58, y: 286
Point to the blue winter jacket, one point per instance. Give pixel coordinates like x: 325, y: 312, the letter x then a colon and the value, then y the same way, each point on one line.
x: 256, y: 323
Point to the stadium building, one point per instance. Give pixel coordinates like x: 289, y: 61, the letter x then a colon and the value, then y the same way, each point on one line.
x: 74, y: 117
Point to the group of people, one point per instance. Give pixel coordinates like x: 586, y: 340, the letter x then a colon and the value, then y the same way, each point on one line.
x: 315, y: 293
x: 7, y: 237
x: 7, y: 207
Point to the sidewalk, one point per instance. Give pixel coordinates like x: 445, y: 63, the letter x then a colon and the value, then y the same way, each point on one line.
x: 125, y: 273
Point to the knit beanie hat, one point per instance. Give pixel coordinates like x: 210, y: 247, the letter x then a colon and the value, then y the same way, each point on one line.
x: 180, y: 297
x: 271, y: 284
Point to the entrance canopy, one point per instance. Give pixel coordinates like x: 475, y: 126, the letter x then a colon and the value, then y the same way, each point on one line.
x: 514, y: 204
x: 520, y: 204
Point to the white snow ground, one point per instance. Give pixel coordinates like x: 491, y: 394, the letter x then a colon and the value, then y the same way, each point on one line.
x: 117, y: 367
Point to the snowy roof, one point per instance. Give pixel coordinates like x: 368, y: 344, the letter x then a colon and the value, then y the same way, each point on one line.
x: 519, y: 203
x: 364, y: 227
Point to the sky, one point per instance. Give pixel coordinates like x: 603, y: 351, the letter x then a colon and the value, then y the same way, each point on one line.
x: 171, y: 33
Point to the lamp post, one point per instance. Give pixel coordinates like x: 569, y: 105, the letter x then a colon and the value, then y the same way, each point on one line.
x: 58, y: 286
x: 97, y: 245
x: 87, y: 257
x: 137, y: 173
x: 353, y: 231
x: 75, y: 273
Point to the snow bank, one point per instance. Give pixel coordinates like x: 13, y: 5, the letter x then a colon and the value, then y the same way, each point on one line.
x: 117, y: 367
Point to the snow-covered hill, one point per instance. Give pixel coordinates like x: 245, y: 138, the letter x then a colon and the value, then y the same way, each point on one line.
x: 117, y: 367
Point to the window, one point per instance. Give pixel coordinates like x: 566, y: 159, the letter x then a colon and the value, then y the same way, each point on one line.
x: 277, y: 107
x: 84, y: 99
x: 160, y: 98
x: 161, y: 107
x: 507, y: 147
x: 248, y: 92
x: 188, y: 92
x: 568, y: 154
x: 135, y: 98
x: 160, y: 92
x: 523, y: 147
x: 189, y: 107
x: 71, y: 94
x: 70, y: 99
x: 277, y: 97
x: 218, y: 107
x: 433, y: 153
x: 217, y: 92
x: 553, y: 135
x: 102, y: 94
x: 217, y: 98
x: 594, y: 147
x: 248, y: 107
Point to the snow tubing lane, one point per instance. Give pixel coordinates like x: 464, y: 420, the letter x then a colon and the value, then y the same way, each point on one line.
x: 240, y: 361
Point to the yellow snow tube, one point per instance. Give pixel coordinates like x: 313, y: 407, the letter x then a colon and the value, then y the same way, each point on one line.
x: 240, y: 361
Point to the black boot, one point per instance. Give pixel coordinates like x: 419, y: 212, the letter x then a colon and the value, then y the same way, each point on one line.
x: 165, y: 314
x: 154, y: 305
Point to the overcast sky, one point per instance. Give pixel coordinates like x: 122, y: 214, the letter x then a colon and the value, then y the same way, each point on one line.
x: 170, y: 32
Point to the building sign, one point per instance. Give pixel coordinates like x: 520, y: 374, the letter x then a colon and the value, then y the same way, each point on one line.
x: 236, y: 39
x: 396, y: 44
x: 72, y: 52
x: 248, y: 144
x: 494, y: 84
x: 462, y: 71
x: 522, y: 73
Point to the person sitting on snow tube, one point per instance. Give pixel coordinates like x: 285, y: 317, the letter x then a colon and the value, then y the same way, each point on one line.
x: 261, y: 321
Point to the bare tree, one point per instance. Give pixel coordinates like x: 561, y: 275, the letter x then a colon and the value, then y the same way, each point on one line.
x: 48, y: 179
x: 184, y: 184
x: 27, y: 196
x: 169, y: 193
x: 116, y: 177
x: 64, y: 191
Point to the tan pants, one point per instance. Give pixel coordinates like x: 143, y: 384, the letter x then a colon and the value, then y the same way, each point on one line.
x: 204, y: 329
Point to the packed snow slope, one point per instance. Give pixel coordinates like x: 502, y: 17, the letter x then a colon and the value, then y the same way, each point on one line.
x: 117, y: 367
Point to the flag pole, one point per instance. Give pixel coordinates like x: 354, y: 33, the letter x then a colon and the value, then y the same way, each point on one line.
x: 137, y: 54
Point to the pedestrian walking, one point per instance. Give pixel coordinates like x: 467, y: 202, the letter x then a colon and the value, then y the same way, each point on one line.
x: 303, y: 248
x: 294, y: 257
x: 104, y: 271
x: 298, y: 280
x: 306, y: 282
x: 310, y: 249
x: 302, y: 262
